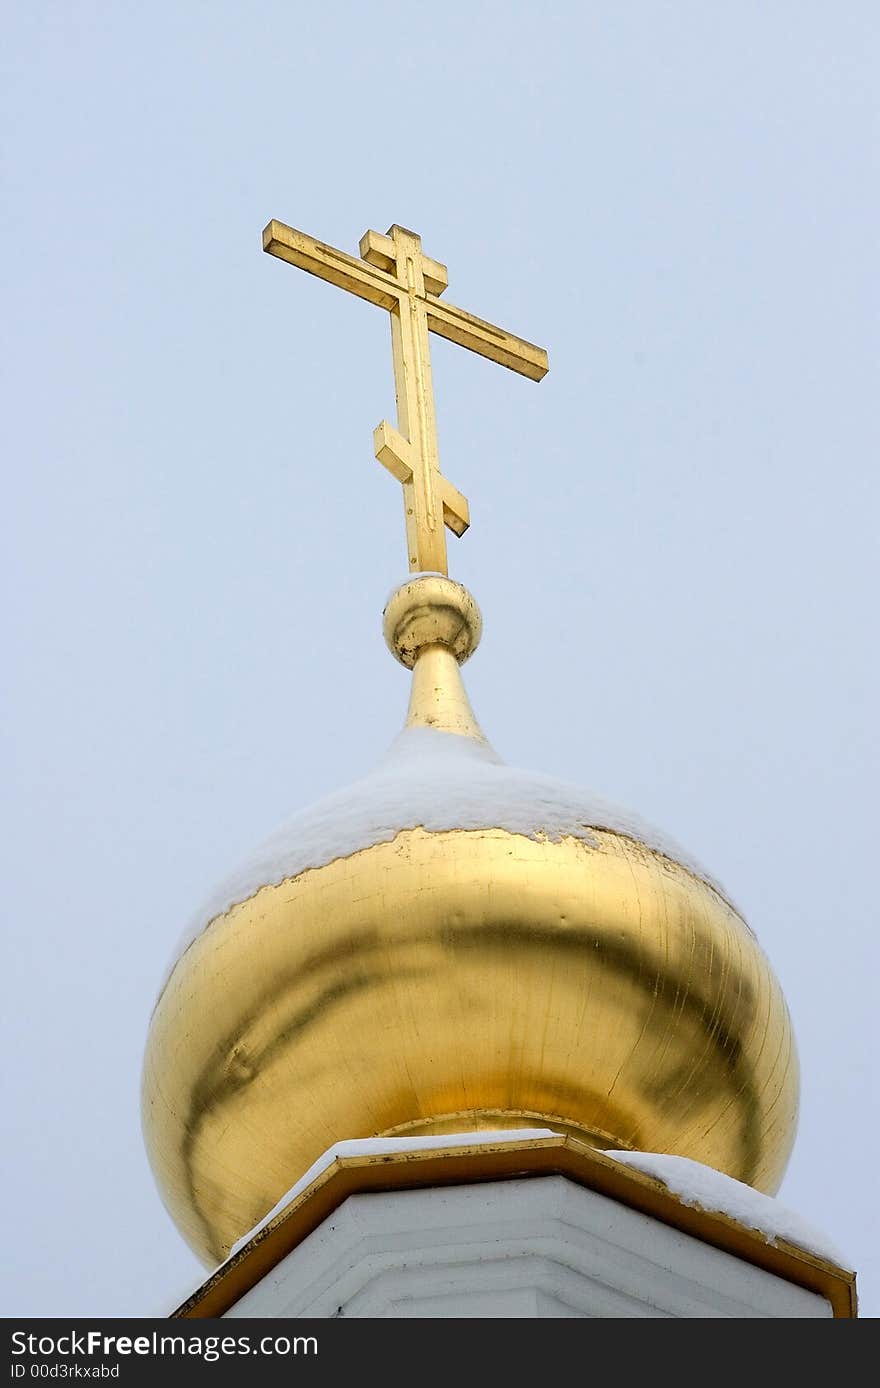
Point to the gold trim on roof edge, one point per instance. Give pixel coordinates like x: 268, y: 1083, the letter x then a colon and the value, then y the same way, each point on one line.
x: 485, y: 1161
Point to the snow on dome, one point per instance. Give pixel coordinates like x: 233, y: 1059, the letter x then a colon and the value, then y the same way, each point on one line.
x: 707, y: 1189
x: 435, y: 781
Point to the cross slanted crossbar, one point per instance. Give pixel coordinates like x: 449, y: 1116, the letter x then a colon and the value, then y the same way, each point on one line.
x: 394, y: 273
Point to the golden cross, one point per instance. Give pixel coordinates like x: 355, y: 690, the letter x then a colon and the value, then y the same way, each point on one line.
x: 394, y: 273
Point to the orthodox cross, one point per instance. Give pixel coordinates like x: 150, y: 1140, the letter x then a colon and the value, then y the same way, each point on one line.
x: 394, y: 273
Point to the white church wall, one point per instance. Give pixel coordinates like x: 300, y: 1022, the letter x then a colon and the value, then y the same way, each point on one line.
x: 534, y: 1247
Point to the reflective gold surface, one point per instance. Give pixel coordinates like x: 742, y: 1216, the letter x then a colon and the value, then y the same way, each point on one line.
x: 432, y: 625
x: 394, y: 273
x: 462, y: 981
x: 431, y: 610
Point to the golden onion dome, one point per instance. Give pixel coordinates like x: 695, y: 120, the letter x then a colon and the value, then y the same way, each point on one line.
x: 454, y: 945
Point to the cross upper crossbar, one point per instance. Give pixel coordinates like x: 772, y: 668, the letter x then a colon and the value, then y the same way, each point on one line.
x: 394, y: 273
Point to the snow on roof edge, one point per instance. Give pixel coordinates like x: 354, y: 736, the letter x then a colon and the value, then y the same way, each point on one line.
x: 705, y: 1188
x: 692, y: 1182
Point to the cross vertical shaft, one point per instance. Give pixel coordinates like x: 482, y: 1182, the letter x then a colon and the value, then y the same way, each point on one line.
x: 410, y: 452
x: 416, y: 417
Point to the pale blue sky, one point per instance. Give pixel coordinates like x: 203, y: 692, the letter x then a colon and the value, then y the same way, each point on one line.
x: 673, y: 537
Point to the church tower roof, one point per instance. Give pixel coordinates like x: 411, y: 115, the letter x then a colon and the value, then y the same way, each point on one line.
x: 451, y: 944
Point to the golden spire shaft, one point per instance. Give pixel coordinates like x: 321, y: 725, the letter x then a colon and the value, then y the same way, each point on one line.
x: 432, y: 626
x: 395, y: 274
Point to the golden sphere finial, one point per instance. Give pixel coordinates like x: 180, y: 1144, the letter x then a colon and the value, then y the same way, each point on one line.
x: 431, y: 610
